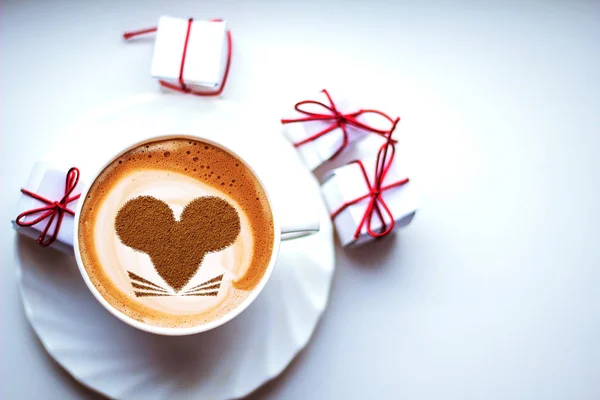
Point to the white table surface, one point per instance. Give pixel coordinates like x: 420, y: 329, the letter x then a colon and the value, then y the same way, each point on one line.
x: 493, y: 292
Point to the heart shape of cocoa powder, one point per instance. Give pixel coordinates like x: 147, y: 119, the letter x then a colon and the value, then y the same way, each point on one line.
x: 177, y: 248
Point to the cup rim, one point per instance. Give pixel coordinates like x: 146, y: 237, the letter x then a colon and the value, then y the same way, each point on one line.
x: 176, y: 331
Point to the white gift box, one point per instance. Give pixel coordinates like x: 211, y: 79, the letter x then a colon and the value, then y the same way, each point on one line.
x: 316, y: 152
x: 347, y: 183
x: 49, y: 182
x: 205, y: 58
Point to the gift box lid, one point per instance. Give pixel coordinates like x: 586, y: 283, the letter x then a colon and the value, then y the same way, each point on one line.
x: 347, y: 183
x: 204, y: 59
x: 321, y: 149
x: 47, y: 180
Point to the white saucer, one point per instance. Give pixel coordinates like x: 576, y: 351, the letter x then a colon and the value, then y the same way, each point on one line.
x: 118, y: 361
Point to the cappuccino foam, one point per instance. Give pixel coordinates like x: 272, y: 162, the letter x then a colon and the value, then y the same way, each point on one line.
x: 176, y: 233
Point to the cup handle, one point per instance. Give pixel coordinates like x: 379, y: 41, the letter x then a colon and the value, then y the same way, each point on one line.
x: 298, y: 230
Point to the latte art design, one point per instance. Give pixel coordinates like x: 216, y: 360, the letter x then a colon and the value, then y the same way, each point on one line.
x: 176, y: 233
x: 176, y: 248
x: 146, y: 288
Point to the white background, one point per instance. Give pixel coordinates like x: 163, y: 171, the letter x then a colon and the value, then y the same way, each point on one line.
x: 493, y: 292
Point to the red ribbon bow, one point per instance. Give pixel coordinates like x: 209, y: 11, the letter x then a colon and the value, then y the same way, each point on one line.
x: 182, y: 86
x: 375, y: 195
x: 338, y: 119
x: 54, y: 209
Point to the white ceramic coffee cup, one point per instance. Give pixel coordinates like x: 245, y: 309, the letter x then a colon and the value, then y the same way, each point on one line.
x: 280, y: 232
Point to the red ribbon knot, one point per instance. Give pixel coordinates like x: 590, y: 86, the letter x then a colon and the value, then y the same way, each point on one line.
x: 339, y: 119
x: 54, y: 209
x: 385, y: 157
x: 182, y: 86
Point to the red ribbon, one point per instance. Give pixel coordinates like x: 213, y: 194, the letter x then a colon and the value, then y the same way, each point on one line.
x: 385, y: 157
x: 338, y: 119
x: 182, y: 86
x: 54, y: 209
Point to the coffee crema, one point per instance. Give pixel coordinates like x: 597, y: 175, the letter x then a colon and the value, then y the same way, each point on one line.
x: 176, y: 233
